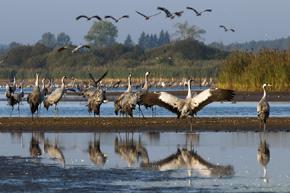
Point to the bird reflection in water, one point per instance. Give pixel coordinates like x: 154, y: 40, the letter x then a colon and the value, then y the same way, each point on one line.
x: 53, y: 150
x: 34, y: 148
x: 130, y: 151
x: 95, y: 153
x: 263, y: 155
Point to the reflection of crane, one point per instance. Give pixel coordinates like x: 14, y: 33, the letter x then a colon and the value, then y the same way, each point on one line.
x: 263, y: 155
x: 129, y: 151
x: 34, y: 148
x: 263, y: 108
x: 95, y: 153
x: 54, y: 150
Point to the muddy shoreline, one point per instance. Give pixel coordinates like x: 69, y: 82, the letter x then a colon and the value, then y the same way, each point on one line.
x: 155, y: 124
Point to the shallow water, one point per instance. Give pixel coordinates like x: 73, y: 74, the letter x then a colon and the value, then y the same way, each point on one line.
x: 216, y: 109
x: 126, y: 162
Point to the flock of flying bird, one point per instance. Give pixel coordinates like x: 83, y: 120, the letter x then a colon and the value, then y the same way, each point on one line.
x: 126, y: 103
x: 147, y: 17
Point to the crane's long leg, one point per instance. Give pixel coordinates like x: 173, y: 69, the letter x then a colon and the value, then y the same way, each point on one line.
x: 11, y: 110
x: 264, y: 127
x: 54, y: 111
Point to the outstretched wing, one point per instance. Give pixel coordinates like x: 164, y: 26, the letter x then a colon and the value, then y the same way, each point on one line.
x: 207, y: 10
x: 108, y: 16
x: 81, y: 16
x: 222, y: 26
x: 97, y: 82
x: 161, y: 99
x: 210, y: 95
x: 164, y: 9
x: 62, y: 48
x: 96, y: 16
x: 196, y: 12
x: 141, y: 14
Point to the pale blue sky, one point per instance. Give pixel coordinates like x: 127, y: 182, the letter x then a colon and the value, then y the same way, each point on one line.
x: 24, y: 21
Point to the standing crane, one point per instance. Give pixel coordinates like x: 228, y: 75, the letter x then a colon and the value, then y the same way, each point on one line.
x: 263, y: 107
x: 127, y: 101
x: 142, y: 91
x: 16, y: 99
x: 34, y: 98
x: 55, y: 97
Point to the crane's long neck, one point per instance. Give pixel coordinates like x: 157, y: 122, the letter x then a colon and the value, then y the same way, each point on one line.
x: 129, y: 84
x: 265, y: 94
x: 36, y: 82
x: 146, y: 82
x: 43, y: 84
x: 189, y: 89
x: 62, y: 82
x: 14, y: 82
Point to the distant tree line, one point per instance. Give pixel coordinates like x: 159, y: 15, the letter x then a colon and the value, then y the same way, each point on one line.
x: 281, y: 44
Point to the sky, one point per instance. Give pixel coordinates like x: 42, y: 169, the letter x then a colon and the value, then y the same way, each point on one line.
x: 25, y: 21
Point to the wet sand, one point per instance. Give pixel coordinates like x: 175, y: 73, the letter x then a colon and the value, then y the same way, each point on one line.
x: 156, y: 124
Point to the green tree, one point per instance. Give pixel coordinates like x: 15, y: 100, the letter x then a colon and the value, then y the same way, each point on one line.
x: 128, y: 41
x: 102, y: 34
x: 48, y: 39
x: 184, y: 31
x: 63, y: 39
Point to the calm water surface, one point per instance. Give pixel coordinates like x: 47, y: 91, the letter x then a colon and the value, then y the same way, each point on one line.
x: 162, y: 162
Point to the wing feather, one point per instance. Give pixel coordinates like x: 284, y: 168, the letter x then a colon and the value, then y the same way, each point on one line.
x: 208, y: 96
x: 161, y: 99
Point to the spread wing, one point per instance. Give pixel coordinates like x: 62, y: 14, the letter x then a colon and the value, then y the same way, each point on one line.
x: 164, y: 9
x: 97, y: 82
x: 196, y: 12
x: 63, y: 48
x: 81, y: 16
x: 141, y: 14
x: 161, y: 99
x: 96, y: 16
x: 108, y: 16
x: 210, y: 95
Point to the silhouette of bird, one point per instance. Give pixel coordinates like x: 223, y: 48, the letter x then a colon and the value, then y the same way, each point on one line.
x: 127, y: 101
x: 177, y: 13
x: 89, y: 18
x: 263, y: 107
x: 147, y: 17
x: 199, y: 13
x: 34, y: 98
x: 55, y: 97
x: 168, y: 14
x: 187, y: 106
x: 116, y: 20
x: 73, y: 50
x: 226, y: 29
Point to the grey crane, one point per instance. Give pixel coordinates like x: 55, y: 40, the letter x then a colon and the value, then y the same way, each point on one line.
x: 89, y: 18
x: 50, y: 86
x: 199, y: 13
x: 8, y: 90
x: 147, y: 17
x: 127, y: 101
x: 168, y: 14
x: 187, y: 106
x: 116, y: 20
x: 16, y: 99
x: 263, y: 155
x: 263, y: 107
x: 177, y: 13
x: 55, y: 97
x: 73, y: 50
x: 142, y: 91
x: 34, y: 98
x: 98, y: 97
x: 43, y: 91
x: 71, y: 84
x: 3, y: 60
x: 226, y: 29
